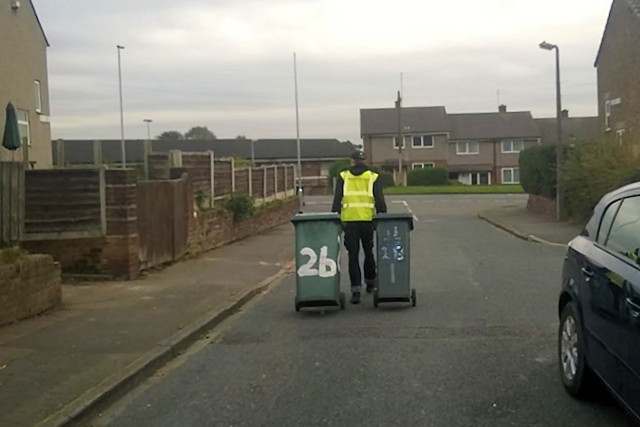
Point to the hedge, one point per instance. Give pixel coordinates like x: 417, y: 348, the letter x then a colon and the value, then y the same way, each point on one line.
x: 427, y: 177
x: 538, y: 170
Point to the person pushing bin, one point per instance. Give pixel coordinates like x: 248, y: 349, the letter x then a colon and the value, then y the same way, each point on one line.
x: 358, y: 196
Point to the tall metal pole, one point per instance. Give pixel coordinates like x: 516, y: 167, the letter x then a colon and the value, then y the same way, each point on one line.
x: 123, y: 154
x: 147, y: 148
x: 148, y: 122
x: 299, y: 184
x: 559, y: 148
x: 400, y: 141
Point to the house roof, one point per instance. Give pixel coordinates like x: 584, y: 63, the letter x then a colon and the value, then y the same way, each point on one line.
x: 309, y: 149
x: 573, y: 128
x: 384, y: 121
x: 493, y: 125
x: 634, y: 6
x: 39, y: 23
x: 81, y: 151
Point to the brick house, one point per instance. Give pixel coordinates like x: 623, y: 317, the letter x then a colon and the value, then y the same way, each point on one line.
x: 476, y: 148
x: 573, y: 129
x: 618, y: 69
x: 24, y: 81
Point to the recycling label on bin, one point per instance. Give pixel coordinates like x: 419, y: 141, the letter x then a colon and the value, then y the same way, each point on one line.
x: 392, y: 251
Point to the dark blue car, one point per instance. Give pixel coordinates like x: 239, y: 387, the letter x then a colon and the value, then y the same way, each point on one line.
x: 599, y: 306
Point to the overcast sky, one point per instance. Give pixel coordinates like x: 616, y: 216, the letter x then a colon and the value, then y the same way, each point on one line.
x: 228, y: 64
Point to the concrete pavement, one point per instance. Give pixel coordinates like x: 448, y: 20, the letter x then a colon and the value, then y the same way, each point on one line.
x: 58, y: 368
x: 527, y: 225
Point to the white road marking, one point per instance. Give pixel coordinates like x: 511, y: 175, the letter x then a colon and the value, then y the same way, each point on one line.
x: 406, y: 205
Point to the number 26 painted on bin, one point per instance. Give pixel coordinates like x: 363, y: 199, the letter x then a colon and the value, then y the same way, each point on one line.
x: 326, y: 266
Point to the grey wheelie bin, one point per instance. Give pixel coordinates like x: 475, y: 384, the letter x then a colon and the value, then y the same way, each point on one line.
x: 393, y: 259
x: 318, y: 245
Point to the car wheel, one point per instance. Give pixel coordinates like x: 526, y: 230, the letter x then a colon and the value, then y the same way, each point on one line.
x: 577, y: 377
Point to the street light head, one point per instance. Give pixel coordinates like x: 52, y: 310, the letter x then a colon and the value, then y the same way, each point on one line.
x: 547, y: 46
x: 120, y: 47
x: 147, y: 120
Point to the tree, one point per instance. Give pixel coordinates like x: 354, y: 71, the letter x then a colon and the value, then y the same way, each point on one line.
x: 170, y: 135
x: 199, y: 132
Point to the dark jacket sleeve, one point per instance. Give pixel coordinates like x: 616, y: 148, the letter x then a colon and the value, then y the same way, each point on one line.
x: 378, y: 194
x: 337, y: 196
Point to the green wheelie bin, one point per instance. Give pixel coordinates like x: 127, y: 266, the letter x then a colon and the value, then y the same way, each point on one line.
x: 318, y: 246
x: 393, y: 258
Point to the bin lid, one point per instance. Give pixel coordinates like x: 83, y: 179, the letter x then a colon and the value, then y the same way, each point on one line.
x: 315, y: 216
x: 395, y: 217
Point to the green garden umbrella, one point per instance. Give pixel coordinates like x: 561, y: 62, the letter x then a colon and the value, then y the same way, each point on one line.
x: 11, y: 138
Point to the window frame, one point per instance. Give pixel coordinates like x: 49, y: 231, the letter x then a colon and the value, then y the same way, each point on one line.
x: 22, y: 123
x: 423, y: 165
x: 404, y: 142
x: 512, y: 143
x: 422, y: 144
x: 512, y: 169
x: 38, y: 95
x: 467, y: 152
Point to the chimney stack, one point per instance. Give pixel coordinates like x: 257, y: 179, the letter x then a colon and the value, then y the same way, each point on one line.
x: 565, y: 114
x: 502, y: 108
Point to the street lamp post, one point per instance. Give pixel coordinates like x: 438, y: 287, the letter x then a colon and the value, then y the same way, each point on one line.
x: 147, y: 148
x: 548, y: 46
x: 124, y: 156
x: 148, y: 122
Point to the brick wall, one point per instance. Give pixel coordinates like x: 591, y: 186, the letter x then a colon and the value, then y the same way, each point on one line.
x: 618, y: 72
x: 541, y: 205
x: 29, y: 287
x: 212, y: 229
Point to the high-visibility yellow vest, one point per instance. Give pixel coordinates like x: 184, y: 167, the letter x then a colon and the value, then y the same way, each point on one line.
x: 358, y: 203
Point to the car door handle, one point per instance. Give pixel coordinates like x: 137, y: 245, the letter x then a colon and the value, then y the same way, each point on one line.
x: 633, y: 308
x: 587, y: 272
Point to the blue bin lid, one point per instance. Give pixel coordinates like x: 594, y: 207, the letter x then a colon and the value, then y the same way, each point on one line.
x: 315, y: 216
x: 395, y: 217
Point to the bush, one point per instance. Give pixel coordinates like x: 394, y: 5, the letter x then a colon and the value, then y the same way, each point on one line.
x: 428, y: 177
x: 591, y: 170
x: 538, y: 170
x: 241, y: 205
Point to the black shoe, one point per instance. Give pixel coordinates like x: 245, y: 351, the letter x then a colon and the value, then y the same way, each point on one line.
x: 355, y: 298
x: 370, y: 287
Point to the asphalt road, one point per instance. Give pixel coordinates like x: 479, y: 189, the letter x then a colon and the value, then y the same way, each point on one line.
x: 478, y: 350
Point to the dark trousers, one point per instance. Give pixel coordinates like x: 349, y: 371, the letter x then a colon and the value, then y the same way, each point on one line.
x: 354, y: 234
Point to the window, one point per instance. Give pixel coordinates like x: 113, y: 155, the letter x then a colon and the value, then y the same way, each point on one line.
x: 467, y: 147
x: 395, y: 142
x: 422, y: 165
x: 624, y: 237
x: 607, y: 219
x: 620, y: 136
x: 23, y: 127
x: 607, y: 114
x: 512, y: 146
x: 38, y: 94
x: 423, y: 141
x: 511, y: 175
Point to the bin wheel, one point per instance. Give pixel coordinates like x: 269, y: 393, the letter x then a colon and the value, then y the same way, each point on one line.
x: 413, y: 297
x: 375, y: 298
x: 342, y: 301
x: 297, y: 305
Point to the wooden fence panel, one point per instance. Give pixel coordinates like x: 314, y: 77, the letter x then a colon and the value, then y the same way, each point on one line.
x: 163, y: 221
x: 11, y: 201
x: 64, y: 204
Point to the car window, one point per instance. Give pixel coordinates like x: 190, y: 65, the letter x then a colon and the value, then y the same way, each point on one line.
x: 607, y: 219
x: 624, y: 237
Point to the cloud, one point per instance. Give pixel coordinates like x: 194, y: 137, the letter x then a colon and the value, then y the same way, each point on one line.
x: 228, y: 64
